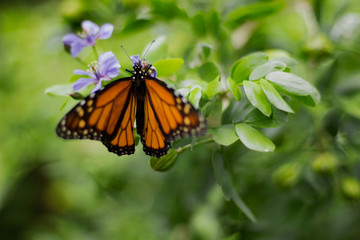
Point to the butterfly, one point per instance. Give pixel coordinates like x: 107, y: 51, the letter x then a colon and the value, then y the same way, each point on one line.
x: 162, y: 115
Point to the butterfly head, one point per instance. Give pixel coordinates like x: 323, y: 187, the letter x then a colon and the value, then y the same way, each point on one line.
x: 143, y: 65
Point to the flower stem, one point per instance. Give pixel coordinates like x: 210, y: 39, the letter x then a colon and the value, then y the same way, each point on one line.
x: 95, y: 52
x: 181, y: 149
x: 81, y: 62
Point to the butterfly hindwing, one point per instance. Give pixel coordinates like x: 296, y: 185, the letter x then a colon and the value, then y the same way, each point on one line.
x: 152, y: 137
x: 107, y: 115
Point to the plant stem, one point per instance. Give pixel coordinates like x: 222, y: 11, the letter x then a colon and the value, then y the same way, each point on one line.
x: 81, y: 61
x: 181, y: 149
x: 96, y: 53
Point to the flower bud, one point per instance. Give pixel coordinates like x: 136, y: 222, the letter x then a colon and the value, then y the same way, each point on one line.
x: 350, y: 188
x: 67, y: 48
x: 164, y: 163
x: 76, y: 96
x: 325, y: 163
x: 287, y: 175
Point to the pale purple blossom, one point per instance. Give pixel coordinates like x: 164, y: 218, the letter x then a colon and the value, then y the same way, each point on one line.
x: 106, y: 68
x: 144, y: 65
x: 91, y: 32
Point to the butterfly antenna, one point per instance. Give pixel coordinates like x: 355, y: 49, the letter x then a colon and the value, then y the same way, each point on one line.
x: 129, y: 58
x: 126, y: 52
x: 143, y: 58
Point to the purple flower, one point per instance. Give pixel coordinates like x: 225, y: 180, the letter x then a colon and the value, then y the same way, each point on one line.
x: 144, y: 65
x: 106, y: 68
x: 91, y: 32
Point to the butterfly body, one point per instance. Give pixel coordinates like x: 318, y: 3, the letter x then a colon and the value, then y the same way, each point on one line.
x: 108, y: 115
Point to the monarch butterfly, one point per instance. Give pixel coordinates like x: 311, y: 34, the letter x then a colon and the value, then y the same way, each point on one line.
x: 108, y: 115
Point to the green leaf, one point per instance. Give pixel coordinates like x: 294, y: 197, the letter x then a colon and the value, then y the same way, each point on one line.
x: 290, y: 83
x: 223, y: 178
x: 213, y: 88
x: 257, y: 97
x: 168, y: 66
x: 199, y: 24
x: 208, y: 106
x: 253, y: 139
x: 65, y: 102
x: 59, y: 90
x: 195, y: 96
x: 234, y: 88
x: 351, y: 105
x: 204, y: 51
x: 136, y: 138
x: 236, y: 111
x: 133, y: 25
x: 167, y: 9
x: 253, y: 11
x: 307, y: 100
x: 183, y: 91
x: 242, y: 68
x: 76, y: 96
x: 283, y: 56
x: 221, y: 175
x: 224, y: 135
x: 208, y: 71
x: 274, y: 97
x: 256, y: 119
x: 164, y: 163
x: 240, y: 203
x: 264, y: 69
x: 213, y: 22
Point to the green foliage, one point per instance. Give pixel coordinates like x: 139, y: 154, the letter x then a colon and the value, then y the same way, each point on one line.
x: 224, y: 135
x: 242, y: 68
x: 234, y: 88
x: 167, y: 67
x: 164, y: 163
x: 253, y: 139
x: 253, y: 11
x: 208, y: 71
x: 245, y: 65
x: 59, y: 90
x: 274, y: 97
x: 257, y: 98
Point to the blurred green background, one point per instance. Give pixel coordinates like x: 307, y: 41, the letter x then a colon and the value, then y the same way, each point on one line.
x: 308, y: 188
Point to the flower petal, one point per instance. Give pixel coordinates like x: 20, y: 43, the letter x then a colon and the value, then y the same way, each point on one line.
x: 135, y: 59
x: 77, y: 47
x: 90, y: 27
x: 109, y: 65
x: 152, y: 71
x: 113, y: 72
x: 97, y: 87
x: 105, y: 31
x: 91, y: 40
x: 82, y: 82
x: 105, y: 57
x: 71, y: 38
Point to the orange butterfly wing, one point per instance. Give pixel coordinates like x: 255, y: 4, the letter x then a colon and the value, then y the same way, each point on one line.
x: 107, y: 115
x: 168, y: 116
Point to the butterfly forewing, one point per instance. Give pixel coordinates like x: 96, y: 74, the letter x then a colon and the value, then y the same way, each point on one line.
x: 107, y: 115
